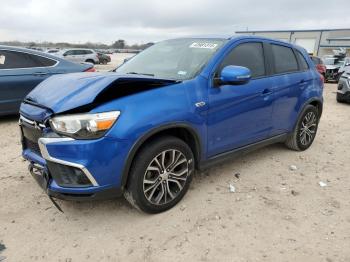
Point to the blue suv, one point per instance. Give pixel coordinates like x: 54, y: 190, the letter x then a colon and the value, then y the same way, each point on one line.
x: 179, y: 106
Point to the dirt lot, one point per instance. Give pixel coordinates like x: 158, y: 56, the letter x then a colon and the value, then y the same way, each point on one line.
x: 276, y: 214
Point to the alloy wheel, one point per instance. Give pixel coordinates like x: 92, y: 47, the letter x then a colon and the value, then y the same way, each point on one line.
x: 308, y: 128
x: 165, y: 177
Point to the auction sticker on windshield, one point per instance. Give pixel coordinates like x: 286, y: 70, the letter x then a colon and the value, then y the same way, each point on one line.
x: 203, y: 45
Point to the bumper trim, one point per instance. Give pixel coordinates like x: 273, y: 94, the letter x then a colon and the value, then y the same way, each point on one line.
x: 44, y: 152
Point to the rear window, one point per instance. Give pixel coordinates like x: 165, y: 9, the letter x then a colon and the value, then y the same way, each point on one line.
x: 285, y: 60
x: 302, y: 61
x: 16, y: 60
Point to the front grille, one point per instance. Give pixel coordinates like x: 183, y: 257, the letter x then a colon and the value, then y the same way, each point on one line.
x: 31, y: 134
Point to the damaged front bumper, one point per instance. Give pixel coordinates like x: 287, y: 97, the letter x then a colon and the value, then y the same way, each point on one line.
x: 75, y: 169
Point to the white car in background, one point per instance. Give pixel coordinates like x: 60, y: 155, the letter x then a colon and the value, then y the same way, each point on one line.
x: 80, y: 55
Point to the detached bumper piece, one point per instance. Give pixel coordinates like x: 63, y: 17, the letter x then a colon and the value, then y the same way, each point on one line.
x: 68, y: 176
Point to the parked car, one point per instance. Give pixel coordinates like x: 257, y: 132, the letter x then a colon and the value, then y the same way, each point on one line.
x: 180, y: 105
x: 52, y: 51
x: 103, y: 58
x: 333, y: 66
x: 321, y: 68
x: 22, y: 69
x: 79, y: 55
x: 343, y: 92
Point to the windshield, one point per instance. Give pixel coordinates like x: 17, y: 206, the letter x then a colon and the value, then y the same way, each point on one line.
x: 177, y: 59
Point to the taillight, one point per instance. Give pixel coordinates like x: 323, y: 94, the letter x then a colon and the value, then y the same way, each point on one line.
x: 91, y: 69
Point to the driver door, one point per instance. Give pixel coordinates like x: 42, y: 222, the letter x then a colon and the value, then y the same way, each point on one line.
x: 240, y: 115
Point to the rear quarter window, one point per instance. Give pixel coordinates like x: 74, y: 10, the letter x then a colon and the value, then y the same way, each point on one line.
x: 303, y: 64
x: 284, y: 58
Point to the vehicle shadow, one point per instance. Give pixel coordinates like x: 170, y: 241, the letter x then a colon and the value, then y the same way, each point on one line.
x: 9, y: 119
x: 120, y: 207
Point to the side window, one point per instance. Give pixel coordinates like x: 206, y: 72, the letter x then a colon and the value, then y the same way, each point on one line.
x: 15, y: 60
x: 69, y: 52
x: 88, y: 52
x: 250, y: 55
x: 80, y: 52
x: 285, y: 60
x: 303, y: 64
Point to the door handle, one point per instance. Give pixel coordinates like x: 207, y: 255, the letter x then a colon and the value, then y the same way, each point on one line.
x: 40, y: 74
x: 266, y: 92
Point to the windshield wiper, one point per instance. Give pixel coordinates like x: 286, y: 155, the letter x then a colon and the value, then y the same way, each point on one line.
x: 135, y: 73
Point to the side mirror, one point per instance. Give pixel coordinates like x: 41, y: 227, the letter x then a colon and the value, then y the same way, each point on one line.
x: 234, y: 75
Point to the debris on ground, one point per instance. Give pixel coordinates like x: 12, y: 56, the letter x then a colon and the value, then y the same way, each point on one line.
x: 2, y: 247
x: 237, y: 175
x: 322, y: 184
x: 294, y: 193
x: 293, y: 167
x: 2, y: 258
x: 182, y: 207
x: 232, y: 188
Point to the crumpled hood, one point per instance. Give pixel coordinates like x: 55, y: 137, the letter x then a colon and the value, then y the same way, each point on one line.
x: 62, y: 93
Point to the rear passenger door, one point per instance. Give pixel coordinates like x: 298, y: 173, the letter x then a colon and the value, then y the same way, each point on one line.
x: 20, y: 72
x: 290, y: 77
x: 71, y: 55
x: 240, y: 114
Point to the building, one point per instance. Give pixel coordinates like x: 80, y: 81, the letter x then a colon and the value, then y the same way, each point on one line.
x: 318, y: 42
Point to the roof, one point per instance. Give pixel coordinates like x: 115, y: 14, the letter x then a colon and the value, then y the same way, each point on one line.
x: 29, y: 51
x: 288, y: 31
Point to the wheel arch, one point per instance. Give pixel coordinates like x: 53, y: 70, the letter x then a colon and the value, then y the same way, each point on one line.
x: 181, y: 130
x: 317, y: 103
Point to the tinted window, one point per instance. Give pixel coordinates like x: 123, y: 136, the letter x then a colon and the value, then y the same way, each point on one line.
x: 88, y: 52
x: 13, y: 60
x: 250, y: 55
x: 69, y: 52
x: 303, y: 63
x: 284, y: 58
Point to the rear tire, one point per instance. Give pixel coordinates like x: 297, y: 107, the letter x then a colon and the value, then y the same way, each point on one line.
x: 160, y: 175
x: 305, y: 130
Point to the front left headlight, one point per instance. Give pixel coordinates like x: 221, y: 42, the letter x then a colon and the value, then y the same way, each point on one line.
x: 84, y: 126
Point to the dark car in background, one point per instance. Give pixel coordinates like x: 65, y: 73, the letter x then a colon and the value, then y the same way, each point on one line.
x: 22, y: 69
x: 103, y: 58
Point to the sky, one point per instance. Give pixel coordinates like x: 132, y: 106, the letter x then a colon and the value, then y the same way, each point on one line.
x: 105, y: 21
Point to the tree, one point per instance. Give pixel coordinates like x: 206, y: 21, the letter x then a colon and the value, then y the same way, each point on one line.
x: 120, y: 44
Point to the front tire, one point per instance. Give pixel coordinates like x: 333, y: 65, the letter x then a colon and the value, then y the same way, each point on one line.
x: 160, y: 175
x: 305, y: 130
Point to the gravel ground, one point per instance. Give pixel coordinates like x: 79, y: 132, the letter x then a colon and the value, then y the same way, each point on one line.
x: 276, y: 213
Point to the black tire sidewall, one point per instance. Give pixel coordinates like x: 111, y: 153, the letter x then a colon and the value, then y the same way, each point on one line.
x: 143, y: 159
x: 308, y: 109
